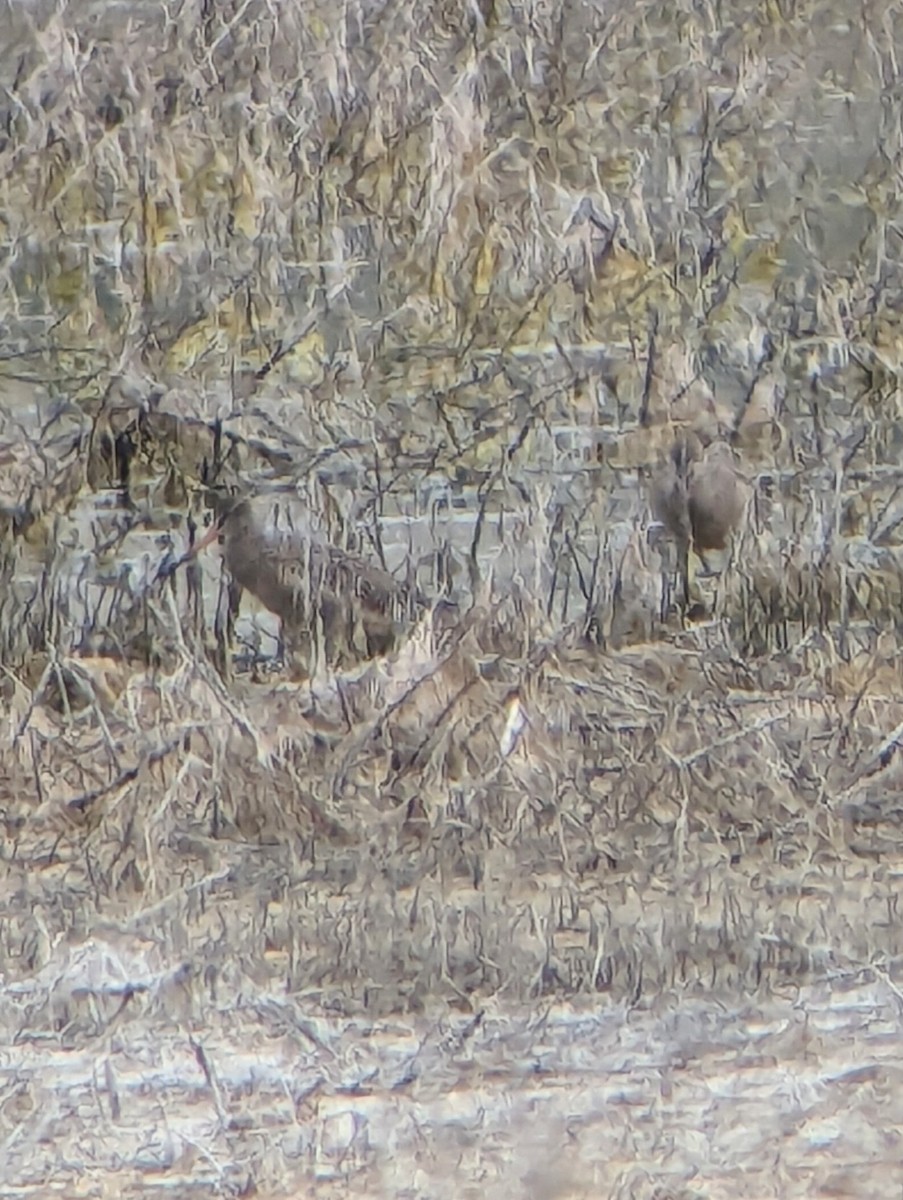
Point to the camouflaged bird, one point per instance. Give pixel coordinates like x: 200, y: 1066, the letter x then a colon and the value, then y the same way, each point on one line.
x: 699, y: 497
x: 333, y: 606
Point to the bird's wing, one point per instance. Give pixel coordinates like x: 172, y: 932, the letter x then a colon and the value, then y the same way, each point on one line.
x: 669, y: 500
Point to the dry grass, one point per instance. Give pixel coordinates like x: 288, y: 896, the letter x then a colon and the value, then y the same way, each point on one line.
x: 568, y: 896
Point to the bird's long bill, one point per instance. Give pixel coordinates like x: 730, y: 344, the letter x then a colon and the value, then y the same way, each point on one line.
x: 210, y: 536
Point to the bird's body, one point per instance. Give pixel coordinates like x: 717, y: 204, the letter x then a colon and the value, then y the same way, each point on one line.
x: 715, y: 498
x: 699, y: 497
x: 333, y: 605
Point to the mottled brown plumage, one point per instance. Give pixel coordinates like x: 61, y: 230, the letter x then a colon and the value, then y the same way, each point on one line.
x: 699, y: 498
x: 715, y: 499
x: 327, y: 599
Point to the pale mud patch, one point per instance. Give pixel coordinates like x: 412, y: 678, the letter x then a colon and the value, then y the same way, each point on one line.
x: 563, y: 923
x: 174, y: 1089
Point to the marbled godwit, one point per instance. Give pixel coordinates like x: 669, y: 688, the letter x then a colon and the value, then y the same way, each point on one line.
x: 327, y: 599
x: 699, y: 498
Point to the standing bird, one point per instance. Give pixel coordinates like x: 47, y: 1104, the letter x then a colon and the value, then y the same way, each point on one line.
x: 334, y: 607
x: 699, y: 497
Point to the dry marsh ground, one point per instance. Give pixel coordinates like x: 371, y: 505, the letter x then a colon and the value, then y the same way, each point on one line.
x: 571, y: 893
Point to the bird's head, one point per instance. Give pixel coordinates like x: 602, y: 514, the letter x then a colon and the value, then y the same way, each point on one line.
x: 224, y: 501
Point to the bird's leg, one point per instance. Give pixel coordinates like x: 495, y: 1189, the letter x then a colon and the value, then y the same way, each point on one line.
x: 295, y: 650
x: 224, y: 623
x: 683, y: 567
x: 701, y: 555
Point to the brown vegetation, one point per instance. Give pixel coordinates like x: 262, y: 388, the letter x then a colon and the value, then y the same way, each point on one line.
x: 478, y: 312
